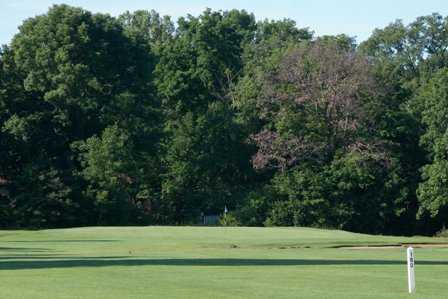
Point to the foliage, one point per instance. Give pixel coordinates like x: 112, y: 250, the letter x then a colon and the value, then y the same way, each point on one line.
x: 68, y: 76
x: 138, y: 119
x: 228, y: 220
x: 432, y: 191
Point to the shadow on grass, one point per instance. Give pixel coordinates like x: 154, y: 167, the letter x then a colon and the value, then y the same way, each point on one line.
x: 62, y: 241
x: 105, y: 262
x: 24, y: 249
x: 61, y: 257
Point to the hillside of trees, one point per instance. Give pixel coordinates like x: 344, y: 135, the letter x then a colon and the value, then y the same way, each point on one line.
x: 139, y: 119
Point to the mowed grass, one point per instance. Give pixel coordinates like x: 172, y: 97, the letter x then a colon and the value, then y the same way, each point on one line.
x: 213, y: 262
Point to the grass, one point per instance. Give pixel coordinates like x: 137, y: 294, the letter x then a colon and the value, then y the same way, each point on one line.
x: 202, y: 262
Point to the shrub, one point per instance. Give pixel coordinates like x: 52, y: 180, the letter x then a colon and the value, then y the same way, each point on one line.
x: 228, y: 220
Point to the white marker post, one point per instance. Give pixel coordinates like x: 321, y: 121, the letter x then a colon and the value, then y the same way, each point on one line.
x: 411, y: 271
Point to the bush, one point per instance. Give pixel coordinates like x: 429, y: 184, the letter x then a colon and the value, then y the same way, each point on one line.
x: 443, y: 233
x: 228, y: 220
x: 255, y: 207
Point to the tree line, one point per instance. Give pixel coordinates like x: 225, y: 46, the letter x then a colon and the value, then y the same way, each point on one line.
x: 137, y: 119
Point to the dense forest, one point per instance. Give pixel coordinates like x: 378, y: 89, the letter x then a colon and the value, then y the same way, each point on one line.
x: 137, y: 119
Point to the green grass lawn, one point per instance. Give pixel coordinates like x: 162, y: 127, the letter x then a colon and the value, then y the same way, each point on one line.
x: 202, y: 262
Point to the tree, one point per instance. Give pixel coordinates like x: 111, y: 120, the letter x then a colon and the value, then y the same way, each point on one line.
x: 432, y: 191
x: 312, y: 105
x: 147, y: 28
x: 117, y: 177
x: 206, y: 53
x: 70, y: 75
x: 137, y: 120
x: 318, y: 108
x: 406, y: 58
x: 206, y: 157
x: 207, y: 163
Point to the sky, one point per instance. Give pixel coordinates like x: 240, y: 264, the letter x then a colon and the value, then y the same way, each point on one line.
x: 357, y: 18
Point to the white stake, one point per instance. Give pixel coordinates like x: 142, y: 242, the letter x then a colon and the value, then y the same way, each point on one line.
x: 411, y: 271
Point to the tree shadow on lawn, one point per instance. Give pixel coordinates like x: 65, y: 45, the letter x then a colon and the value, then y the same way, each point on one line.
x: 119, y: 262
x: 62, y: 241
x: 62, y: 257
x: 24, y: 249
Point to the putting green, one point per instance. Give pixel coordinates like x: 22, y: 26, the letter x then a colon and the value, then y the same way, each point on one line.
x: 213, y: 262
